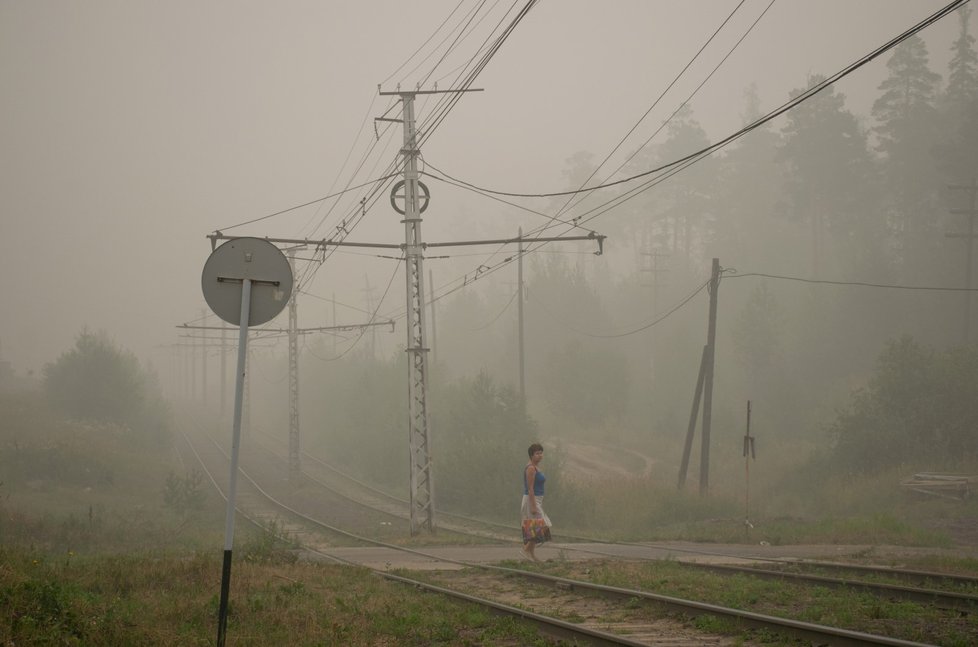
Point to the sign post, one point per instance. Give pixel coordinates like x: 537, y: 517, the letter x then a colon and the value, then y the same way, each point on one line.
x: 246, y: 281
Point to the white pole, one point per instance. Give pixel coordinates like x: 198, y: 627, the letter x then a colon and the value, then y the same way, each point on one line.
x: 235, y: 444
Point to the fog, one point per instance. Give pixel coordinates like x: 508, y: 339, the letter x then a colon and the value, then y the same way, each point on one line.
x: 133, y: 130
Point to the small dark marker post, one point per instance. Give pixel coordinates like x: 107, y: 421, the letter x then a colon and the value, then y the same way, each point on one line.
x: 748, y: 455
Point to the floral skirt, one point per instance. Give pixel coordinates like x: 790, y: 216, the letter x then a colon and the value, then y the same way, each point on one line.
x: 535, y: 527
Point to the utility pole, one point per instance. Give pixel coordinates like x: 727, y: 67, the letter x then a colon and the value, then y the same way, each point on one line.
x: 203, y: 366
x: 422, y: 487
x: 711, y: 337
x: 519, y: 310
x: 369, y: 298
x: 415, y: 201
x: 295, y: 469
x: 969, y: 237
x: 704, y: 389
x: 655, y: 269
x: 193, y: 370
x: 224, y: 372
x: 292, y: 333
x: 431, y: 301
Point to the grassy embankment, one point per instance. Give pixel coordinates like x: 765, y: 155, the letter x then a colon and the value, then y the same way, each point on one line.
x: 94, y: 554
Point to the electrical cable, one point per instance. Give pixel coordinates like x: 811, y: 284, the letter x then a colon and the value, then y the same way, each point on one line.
x: 575, y: 221
x: 677, y: 166
x: 688, y: 98
x: 498, y: 315
x: 673, y: 310
x: 374, y: 194
x: 651, y: 108
x: 864, y: 284
x: 454, y: 97
x: 334, y: 301
x: 803, y: 96
x: 422, y: 46
x: 496, y: 198
x: 346, y: 160
x: 363, y: 330
x: 462, y: 35
x: 305, y: 204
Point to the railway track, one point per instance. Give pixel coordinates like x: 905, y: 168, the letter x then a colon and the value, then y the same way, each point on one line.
x: 628, y: 627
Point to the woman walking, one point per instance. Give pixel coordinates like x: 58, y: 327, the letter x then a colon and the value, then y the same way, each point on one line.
x: 535, y: 522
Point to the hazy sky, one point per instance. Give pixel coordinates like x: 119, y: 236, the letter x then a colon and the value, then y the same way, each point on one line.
x: 131, y: 129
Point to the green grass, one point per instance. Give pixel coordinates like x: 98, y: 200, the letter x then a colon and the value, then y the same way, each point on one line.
x: 851, y: 609
x: 105, y: 541
x: 148, y: 600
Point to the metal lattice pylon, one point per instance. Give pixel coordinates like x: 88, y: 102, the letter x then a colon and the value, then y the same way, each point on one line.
x: 422, y: 490
x: 295, y: 469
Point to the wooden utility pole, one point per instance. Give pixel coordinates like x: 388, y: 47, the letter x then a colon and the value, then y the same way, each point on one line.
x: 704, y: 388
x: 693, y: 416
x: 711, y: 337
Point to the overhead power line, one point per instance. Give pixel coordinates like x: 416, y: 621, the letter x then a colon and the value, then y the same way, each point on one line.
x: 804, y: 96
x: 311, y: 202
x: 652, y: 107
x: 563, y: 320
x: 863, y: 284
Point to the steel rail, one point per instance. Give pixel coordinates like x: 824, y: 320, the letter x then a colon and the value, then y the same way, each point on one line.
x: 960, y: 601
x: 800, y: 629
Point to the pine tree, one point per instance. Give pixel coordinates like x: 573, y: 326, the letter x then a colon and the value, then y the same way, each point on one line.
x: 829, y: 176
x: 962, y: 86
x: 748, y: 190
x: 689, y: 214
x: 958, y: 152
x: 907, y: 129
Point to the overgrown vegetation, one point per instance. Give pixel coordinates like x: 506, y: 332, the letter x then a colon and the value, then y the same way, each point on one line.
x: 483, y: 433
x: 920, y: 408
x: 142, y: 600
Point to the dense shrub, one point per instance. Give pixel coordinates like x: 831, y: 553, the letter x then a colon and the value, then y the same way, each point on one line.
x: 98, y: 381
x: 919, y: 408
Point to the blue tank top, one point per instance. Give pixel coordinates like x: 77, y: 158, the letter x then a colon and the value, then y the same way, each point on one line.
x: 537, y: 482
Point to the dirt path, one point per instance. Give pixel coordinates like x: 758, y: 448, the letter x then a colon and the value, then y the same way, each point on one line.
x: 585, y: 461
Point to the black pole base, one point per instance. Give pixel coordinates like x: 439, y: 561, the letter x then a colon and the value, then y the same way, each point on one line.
x: 222, y: 613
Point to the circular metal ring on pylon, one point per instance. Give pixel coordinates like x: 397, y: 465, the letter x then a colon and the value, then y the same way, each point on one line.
x: 422, y: 191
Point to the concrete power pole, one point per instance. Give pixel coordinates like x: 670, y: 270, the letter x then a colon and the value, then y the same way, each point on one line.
x: 224, y: 372
x: 434, y: 329
x: 415, y: 201
x: 422, y: 490
x: 203, y: 363
x: 295, y: 469
x: 519, y: 311
x: 655, y: 269
x: 969, y: 237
